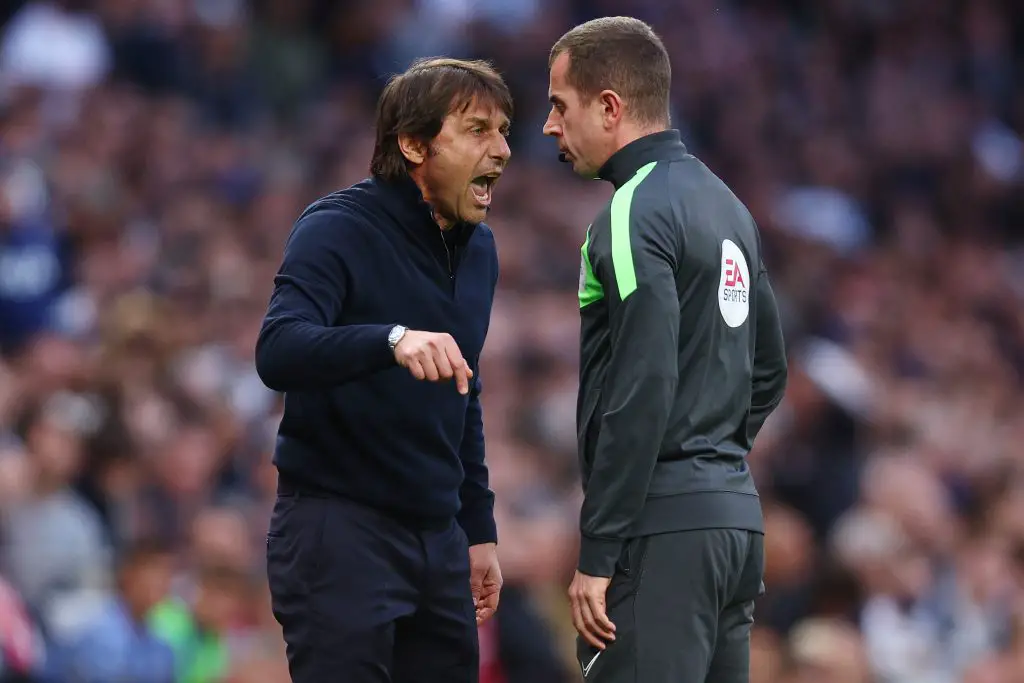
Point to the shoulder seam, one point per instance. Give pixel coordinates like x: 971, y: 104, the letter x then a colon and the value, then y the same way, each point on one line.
x: 338, y: 207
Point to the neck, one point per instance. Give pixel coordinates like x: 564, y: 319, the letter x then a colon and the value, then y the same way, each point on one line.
x: 442, y: 222
x: 638, y: 149
x: 631, y: 132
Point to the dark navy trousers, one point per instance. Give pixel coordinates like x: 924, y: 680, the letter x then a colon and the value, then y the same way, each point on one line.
x: 363, y: 597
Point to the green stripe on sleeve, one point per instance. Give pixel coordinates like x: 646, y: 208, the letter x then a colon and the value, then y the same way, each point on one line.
x: 622, y: 252
x: 590, y: 286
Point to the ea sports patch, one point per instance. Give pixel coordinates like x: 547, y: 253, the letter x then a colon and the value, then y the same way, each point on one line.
x: 734, y: 287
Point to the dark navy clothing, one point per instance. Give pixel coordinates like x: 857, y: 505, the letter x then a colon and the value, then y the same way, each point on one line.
x: 33, y: 275
x: 382, y: 481
x: 364, y: 598
x: 355, y: 424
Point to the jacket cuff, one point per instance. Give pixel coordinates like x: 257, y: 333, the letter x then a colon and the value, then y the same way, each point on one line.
x: 598, y: 556
x: 477, y: 520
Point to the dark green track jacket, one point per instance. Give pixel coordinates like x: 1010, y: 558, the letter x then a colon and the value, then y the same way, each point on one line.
x: 681, y: 353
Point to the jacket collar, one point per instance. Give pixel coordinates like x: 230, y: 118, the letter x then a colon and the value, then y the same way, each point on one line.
x: 413, y: 212
x: 623, y: 165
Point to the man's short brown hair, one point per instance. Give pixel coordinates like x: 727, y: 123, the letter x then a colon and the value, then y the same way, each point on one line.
x: 417, y: 101
x: 622, y: 54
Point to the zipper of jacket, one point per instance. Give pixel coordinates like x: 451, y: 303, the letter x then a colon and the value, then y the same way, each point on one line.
x: 448, y: 253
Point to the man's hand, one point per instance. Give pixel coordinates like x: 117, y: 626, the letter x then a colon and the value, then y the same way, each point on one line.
x: 433, y: 356
x: 484, y: 579
x: 587, y: 596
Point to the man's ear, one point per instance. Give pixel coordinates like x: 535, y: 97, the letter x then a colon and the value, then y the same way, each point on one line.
x: 611, y: 105
x: 413, y: 149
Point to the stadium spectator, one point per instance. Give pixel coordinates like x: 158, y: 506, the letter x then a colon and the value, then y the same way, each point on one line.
x: 117, y: 644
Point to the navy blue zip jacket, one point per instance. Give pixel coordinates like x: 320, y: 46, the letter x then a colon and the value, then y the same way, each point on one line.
x: 356, y: 424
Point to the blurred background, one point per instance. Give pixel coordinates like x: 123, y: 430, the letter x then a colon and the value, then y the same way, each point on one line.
x: 154, y: 153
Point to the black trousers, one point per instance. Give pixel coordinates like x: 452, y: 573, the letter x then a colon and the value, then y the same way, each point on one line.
x: 364, y: 598
x: 683, y: 607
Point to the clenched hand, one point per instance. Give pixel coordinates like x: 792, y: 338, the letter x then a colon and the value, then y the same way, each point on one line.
x: 433, y: 356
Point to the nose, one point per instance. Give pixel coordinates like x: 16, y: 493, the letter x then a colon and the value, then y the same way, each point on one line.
x: 551, y: 126
x: 502, y: 152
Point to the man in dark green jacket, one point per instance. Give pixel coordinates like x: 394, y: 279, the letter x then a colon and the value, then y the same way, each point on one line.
x: 682, y: 360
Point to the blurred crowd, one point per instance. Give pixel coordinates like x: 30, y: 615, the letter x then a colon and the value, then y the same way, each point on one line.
x: 154, y: 153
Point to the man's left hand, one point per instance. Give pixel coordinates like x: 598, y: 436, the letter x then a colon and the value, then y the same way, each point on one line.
x: 484, y: 579
x: 587, y: 596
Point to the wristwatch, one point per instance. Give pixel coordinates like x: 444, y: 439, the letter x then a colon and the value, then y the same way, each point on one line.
x: 395, y: 336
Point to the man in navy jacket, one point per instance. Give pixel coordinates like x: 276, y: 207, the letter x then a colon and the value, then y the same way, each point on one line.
x: 381, y: 550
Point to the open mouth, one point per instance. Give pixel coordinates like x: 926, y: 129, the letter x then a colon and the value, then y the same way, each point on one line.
x: 482, y: 186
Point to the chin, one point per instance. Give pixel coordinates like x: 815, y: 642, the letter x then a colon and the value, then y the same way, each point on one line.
x: 584, y: 171
x: 579, y: 168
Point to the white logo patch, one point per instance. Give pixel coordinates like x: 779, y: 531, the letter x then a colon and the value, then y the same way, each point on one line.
x: 589, y: 665
x: 734, y: 287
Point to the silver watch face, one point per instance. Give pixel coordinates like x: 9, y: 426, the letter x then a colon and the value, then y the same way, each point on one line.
x: 396, y: 334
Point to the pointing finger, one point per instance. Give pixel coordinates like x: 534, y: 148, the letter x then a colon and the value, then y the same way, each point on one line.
x: 462, y: 379
x: 460, y: 368
x: 451, y: 349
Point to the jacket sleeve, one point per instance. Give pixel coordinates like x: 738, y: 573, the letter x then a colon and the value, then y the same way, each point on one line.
x: 637, y: 270
x: 299, y: 346
x: 476, y: 516
x: 770, y: 366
